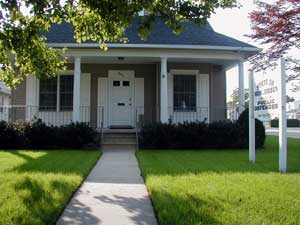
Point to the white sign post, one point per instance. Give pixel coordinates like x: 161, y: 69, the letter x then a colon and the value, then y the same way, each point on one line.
x: 251, y: 119
x: 282, y: 120
x: 269, y: 103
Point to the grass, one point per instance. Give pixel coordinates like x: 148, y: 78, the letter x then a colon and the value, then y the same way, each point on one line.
x: 36, y: 185
x: 221, y: 187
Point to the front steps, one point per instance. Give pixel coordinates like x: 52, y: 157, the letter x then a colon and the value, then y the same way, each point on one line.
x: 119, y: 137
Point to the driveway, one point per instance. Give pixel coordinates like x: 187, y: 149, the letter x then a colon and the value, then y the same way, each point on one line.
x: 114, y: 193
x: 291, y: 132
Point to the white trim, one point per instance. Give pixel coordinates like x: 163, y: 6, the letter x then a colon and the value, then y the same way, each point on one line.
x: 157, y: 54
x: 160, y: 46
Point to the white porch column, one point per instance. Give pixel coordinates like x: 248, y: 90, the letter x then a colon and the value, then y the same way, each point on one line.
x: 251, y: 119
x: 164, y: 91
x: 241, y: 88
x: 76, y: 91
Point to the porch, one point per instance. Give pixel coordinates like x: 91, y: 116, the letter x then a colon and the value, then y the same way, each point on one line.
x: 117, y: 90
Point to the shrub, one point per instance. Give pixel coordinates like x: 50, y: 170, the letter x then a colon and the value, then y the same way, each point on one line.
x: 260, y: 133
x: 39, y: 135
x: 199, y: 135
x: 290, y: 123
x: 12, y: 135
x: 77, y: 134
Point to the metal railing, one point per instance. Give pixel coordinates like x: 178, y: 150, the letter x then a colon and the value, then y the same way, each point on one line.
x: 94, y: 116
x: 179, y: 115
x: 195, y: 114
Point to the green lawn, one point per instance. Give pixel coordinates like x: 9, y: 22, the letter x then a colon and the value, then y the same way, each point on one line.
x: 221, y: 187
x: 35, y: 186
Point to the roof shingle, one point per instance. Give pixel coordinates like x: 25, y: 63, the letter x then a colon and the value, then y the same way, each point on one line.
x: 192, y: 34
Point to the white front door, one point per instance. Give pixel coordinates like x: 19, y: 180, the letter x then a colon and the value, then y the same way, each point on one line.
x: 121, y: 94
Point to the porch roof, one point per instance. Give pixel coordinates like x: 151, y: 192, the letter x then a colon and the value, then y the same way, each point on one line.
x: 193, y: 37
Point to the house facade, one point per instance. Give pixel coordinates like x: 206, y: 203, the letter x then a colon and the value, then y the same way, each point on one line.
x: 166, y: 78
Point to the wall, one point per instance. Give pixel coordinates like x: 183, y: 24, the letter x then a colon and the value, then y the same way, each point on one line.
x: 217, y: 93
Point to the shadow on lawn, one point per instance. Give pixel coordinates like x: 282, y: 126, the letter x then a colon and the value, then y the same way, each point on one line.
x: 49, y: 162
x: 44, y: 203
x: 184, y: 209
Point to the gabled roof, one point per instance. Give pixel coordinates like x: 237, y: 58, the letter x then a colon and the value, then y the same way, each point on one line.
x: 192, y: 35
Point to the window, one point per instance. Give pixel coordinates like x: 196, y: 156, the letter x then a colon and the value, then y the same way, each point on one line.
x: 66, y: 93
x: 126, y: 83
x: 184, y: 93
x: 56, y: 93
x: 48, y: 94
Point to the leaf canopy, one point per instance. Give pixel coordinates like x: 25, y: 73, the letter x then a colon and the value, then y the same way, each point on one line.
x: 23, y: 48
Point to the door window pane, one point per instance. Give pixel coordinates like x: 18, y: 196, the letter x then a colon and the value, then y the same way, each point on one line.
x: 48, y: 94
x: 66, y: 93
x: 184, y: 92
x: 116, y: 83
x: 126, y: 83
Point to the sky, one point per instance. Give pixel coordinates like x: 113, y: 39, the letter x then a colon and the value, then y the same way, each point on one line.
x: 236, y: 23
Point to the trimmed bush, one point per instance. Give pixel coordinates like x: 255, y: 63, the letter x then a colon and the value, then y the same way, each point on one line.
x: 39, y: 135
x: 12, y: 135
x: 260, y: 133
x: 199, y: 135
x: 290, y: 123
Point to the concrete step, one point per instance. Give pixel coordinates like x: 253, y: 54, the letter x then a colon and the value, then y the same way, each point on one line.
x: 119, y: 139
x: 120, y: 136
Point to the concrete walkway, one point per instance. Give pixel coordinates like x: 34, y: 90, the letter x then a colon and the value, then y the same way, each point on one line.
x: 114, y: 193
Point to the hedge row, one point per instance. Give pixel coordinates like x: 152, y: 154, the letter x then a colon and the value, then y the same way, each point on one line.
x: 39, y: 135
x: 290, y: 123
x: 200, y: 135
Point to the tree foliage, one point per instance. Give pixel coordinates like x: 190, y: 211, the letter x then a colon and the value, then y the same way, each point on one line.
x: 235, y: 97
x: 23, y: 48
x: 278, y: 26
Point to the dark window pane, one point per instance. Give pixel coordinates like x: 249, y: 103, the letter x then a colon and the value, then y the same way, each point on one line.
x: 116, y: 83
x: 126, y: 83
x: 66, y: 93
x: 184, y: 92
x: 48, y: 94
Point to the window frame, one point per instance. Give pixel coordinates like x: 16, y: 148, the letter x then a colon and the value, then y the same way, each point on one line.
x: 69, y: 73
x: 185, y: 73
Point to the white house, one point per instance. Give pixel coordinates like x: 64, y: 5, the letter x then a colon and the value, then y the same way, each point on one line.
x: 293, y: 110
x: 4, y: 102
x: 168, y: 77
